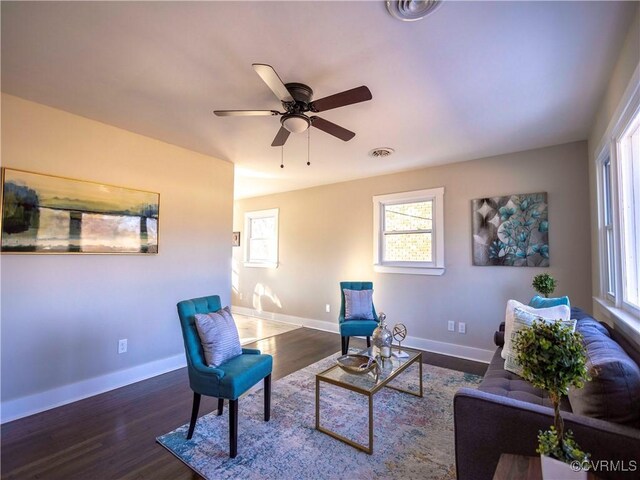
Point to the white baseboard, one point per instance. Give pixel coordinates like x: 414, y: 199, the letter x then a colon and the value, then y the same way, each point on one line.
x: 434, y: 346
x: 39, y: 402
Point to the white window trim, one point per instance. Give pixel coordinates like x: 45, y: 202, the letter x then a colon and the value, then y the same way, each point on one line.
x: 434, y: 268
x: 248, y: 216
x: 622, y: 314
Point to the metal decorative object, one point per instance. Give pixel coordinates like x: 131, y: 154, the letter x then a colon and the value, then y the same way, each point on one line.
x: 399, y: 333
x: 382, y: 337
x: 359, y: 364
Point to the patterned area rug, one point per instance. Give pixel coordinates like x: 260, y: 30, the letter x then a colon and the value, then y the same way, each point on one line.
x: 413, y: 436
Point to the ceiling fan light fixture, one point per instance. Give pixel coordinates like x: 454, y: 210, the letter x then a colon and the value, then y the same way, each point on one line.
x: 295, y: 123
x: 412, y: 10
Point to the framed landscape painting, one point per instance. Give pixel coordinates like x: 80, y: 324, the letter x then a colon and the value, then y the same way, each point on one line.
x: 512, y: 230
x: 48, y: 214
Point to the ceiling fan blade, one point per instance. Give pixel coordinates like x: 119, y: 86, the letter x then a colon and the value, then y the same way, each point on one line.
x: 348, y: 97
x: 245, y: 113
x: 281, y: 137
x: 332, y: 129
x: 271, y: 78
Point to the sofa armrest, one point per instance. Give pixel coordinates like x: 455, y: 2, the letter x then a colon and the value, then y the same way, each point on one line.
x: 498, y: 339
x: 250, y: 351
x: 487, y: 425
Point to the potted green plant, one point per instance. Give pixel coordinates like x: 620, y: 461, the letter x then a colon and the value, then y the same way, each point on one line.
x: 553, y: 358
x: 544, y: 284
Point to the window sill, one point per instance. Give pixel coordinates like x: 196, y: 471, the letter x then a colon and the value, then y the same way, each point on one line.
x: 409, y: 270
x: 622, y: 319
x: 260, y: 265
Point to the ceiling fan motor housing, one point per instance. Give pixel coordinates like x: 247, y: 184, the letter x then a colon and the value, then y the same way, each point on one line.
x: 301, y: 93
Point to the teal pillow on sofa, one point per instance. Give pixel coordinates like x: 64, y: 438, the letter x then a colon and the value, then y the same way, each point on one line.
x: 541, y: 302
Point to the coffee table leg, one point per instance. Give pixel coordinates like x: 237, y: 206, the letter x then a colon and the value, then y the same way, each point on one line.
x: 317, y: 404
x: 420, y: 363
x: 370, y: 424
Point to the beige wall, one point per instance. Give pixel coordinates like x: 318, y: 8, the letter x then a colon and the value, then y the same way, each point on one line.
x: 62, y: 315
x: 326, y: 237
x: 627, y: 63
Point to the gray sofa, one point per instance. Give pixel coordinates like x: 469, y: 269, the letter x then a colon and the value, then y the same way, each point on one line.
x: 505, y: 413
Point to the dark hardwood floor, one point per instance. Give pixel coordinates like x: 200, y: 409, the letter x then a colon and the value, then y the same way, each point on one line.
x: 112, y: 435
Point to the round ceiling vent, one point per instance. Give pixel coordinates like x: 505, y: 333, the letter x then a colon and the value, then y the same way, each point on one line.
x: 381, y: 152
x: 412, y: 10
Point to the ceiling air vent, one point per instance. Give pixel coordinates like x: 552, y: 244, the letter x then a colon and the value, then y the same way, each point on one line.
x: 412, y: 10
x: 381, y: 152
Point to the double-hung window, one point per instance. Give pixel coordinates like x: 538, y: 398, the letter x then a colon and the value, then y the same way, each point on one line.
x: 619, y: 219
x: 609, y: 257
x: 629, y: 176
x: 409, y: 232
x: 261, y: 231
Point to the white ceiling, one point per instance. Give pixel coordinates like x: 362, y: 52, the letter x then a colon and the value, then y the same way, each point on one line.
x: 473, y: 79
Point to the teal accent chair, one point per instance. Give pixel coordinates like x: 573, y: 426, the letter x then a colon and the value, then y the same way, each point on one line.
x: 227, y: 381
x: 355, y: 327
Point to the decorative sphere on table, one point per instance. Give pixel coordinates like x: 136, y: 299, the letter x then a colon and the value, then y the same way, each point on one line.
x: 399, y: 332
x: 382, y: 336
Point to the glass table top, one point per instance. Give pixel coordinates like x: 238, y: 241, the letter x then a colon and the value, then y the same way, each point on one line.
x: 369, y: 382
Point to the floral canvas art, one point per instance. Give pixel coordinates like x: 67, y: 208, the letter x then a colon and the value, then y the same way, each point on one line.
x: 511, y: 231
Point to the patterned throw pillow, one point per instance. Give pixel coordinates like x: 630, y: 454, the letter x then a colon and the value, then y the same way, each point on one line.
x: 559, y: 312
x: 219, y: 336
x: 358, y: 304
x: 523, y: 319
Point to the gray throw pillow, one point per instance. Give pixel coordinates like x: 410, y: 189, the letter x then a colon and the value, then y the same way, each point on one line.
x: 358, y: 304
x: 219, y: 336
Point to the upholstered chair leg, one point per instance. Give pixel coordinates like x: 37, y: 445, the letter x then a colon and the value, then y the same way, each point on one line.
x: 368, y: 342
x: 194, y: 414
x: 346, y: 345
x: 267, y: 398
x: 233, y: 428
x: 220, y: 406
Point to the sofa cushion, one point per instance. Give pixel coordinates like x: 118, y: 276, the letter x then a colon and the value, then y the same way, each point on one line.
x: 613, y: 393
x: 506, y: 384
x: 542, y: 302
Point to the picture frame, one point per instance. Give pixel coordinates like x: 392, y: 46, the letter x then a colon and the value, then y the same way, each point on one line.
x: 48, y: 214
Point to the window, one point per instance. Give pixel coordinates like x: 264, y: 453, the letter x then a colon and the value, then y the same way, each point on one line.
x: 607, y: 231
x: 629, y: 158
x: 261, y: 231
x: 619, y: 204
x: 408, y: 232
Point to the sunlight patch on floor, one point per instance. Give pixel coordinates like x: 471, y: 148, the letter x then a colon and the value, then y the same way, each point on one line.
x: 252, y: 329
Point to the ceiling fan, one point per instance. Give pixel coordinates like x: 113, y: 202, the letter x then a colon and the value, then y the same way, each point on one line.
x: 296, y: 99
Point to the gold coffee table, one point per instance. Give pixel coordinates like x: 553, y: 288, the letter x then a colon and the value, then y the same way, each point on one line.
x: 367, y: 384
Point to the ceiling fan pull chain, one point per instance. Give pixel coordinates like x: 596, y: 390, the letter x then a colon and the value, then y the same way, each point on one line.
x: 282, y: 156
x: 308, y: 145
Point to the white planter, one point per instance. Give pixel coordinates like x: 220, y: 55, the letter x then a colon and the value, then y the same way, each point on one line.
x: 553, y: 469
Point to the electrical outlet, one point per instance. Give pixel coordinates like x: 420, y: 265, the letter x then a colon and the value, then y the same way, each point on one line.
x: 451, y: 326
x: 122, y: 346
x: 462, y: 327
x: 327, y: 308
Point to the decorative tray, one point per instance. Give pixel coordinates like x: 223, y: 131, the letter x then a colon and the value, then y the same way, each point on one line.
x: 357, y: 363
